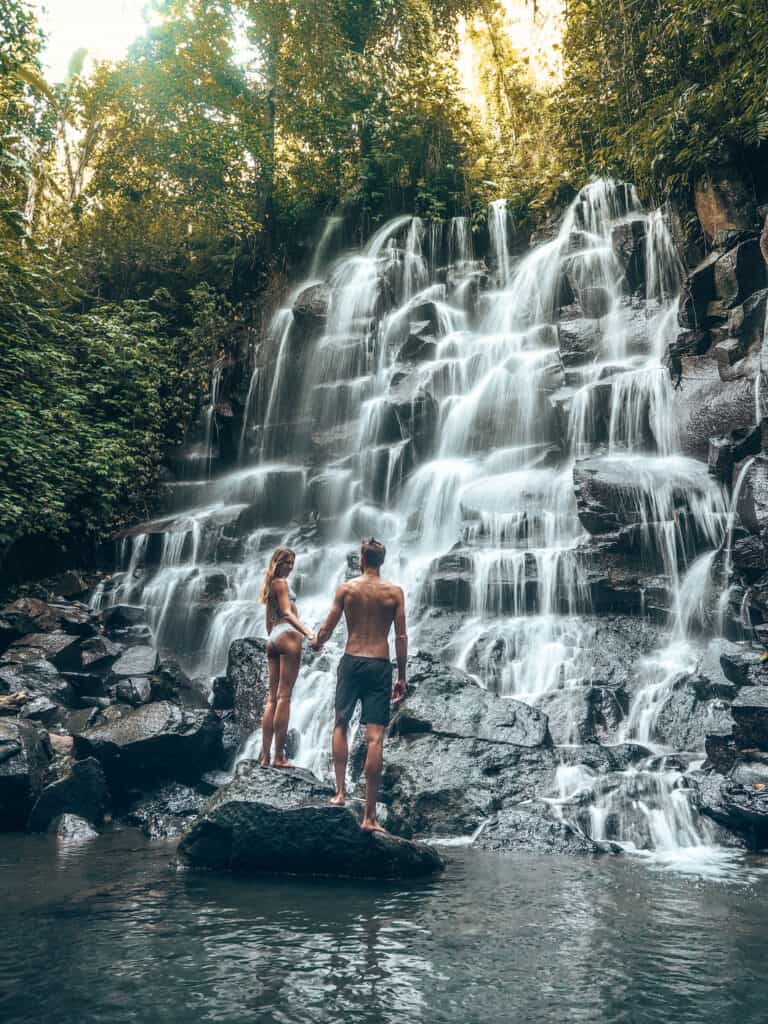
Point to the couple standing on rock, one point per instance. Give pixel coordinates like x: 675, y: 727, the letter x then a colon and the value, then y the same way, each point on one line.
x: 370, y: 606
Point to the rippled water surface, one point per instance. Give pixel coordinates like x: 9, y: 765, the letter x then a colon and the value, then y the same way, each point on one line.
x: 110, y: 932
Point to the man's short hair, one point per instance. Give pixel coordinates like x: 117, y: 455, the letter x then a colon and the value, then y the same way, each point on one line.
x: 373, y: 552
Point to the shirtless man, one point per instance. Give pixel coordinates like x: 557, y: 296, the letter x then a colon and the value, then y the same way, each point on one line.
x: 370, y: 606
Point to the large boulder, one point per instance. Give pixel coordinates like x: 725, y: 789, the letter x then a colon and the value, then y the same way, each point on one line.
x: 58, y: 647
x: 24, y: 759
x: 166, y: 813
x: 698, y: 291
x: 750, y: 713
x: 280, y: 821
x: 739, y: 272
x: 72, y: 787
x: 310, y: 309
x: 248, y: 681
x: 457, y: 753
x: 532, y: 828
x: 158, y: 741
x: 738, y: 807
x: 135, y: 662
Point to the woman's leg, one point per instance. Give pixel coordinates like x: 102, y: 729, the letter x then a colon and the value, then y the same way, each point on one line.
x: 268, y: 718
x: 290, y: 661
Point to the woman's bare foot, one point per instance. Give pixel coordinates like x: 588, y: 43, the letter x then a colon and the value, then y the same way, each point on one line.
x: 339, y: 799
x: 281, y: 763
x: 371, y: 825
x: 263, y: 762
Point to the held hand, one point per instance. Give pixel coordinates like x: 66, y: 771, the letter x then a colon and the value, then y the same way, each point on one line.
x: 398, y: 692
x: 314, y: 643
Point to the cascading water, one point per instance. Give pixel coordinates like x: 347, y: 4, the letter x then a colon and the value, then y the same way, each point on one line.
x: 452, y: 422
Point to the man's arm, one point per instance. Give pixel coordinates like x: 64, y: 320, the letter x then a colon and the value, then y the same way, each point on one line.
x: 401, y: 648
x: 332, y: 620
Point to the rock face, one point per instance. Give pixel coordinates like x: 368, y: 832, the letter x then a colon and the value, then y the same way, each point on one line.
x: 532, y: 829
x: 277, y: 821
x: 738, y: 807
x: 154, y: 742
x: 248, y: 683
x: 23, y: 764
x: 79, y: 788
x: 457, y: 753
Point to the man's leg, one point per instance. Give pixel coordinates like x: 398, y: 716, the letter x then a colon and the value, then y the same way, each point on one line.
x: 374, y: 761
x: 340, y: 749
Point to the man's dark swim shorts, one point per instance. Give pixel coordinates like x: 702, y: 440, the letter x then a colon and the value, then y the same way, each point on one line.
x: 368, y: 680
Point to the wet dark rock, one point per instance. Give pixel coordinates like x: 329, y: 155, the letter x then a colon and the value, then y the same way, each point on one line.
x: 698, y: 290
x: 448, y: 702
x: 752, y: 505
x: 595, y: 302
x: 278, y: 821
x: 628, y: 240
x: 135, y: 691
x: 24, y: 758
x: 99, y: 654
x: 737, y: 807
x: 310, y: 309
x: 442, y: 785
x: 420, y: 346
x: 750, y: 555
x: 72, y: 787
x: 69, y: 828
x: 122, y: 616
x: 168, y: 812
x: 417, y: 413
x: 223, y: 694
x: 743, y: 667
x: 40, y: 709
x: 684, y: 720
x: 533, y: 829
x: 739, y: 272
x: 37, y: 678
x: 58, y: 647
x: 750, y: 713
x: 170, y: 682
x: 746, y: 321
x: 153, y: 742
x: 578, y: 340
x: 135, y: 661
x: 248, y: 680
x: 132, y: 636
x: 721, y: 751
x: 726, y: 451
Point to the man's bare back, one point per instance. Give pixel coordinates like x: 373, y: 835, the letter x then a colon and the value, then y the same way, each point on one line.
x: 370, y: 607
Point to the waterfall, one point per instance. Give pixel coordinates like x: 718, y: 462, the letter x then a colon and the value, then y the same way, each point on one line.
x: 452, y: 421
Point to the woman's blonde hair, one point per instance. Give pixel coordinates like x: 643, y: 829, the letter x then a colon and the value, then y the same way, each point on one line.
x: 279, y: 555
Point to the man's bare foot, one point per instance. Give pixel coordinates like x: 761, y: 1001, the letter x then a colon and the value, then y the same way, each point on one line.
x: 281, y: 763
x: 368, y: 825
x: 339, y: 799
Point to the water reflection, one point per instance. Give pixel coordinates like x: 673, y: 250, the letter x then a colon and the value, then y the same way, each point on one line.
x: 113, y: 933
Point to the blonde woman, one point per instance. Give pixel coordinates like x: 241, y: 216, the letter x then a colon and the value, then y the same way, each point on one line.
x: 285, y: 631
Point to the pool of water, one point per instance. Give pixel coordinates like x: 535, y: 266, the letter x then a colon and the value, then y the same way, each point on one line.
x: 109, y: 931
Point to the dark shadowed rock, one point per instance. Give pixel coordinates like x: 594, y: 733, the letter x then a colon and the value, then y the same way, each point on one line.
x: 739, y: 272
x: 533, y: 829
x: 698, y: 291
x: 37, y: 678
x: 134, y: 691
x: 169, y: 811
x: 40, y: 709
x: 24, y: 759
x: 750, y: 713
x: 737, y: 807
x: 58, y: 647
x: 154, y: 742
x: 752, y: 505
x: 721, y: 751
x: 686, y: 717
x: 579, y: 341
x: 311, y: 307
x: 223, y: 695
x: 743, y: 666
x: 248, y: 680
x: 121, y: 616
x: 72, y: 787
x: 99, y: 654
x: 274, y: 821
